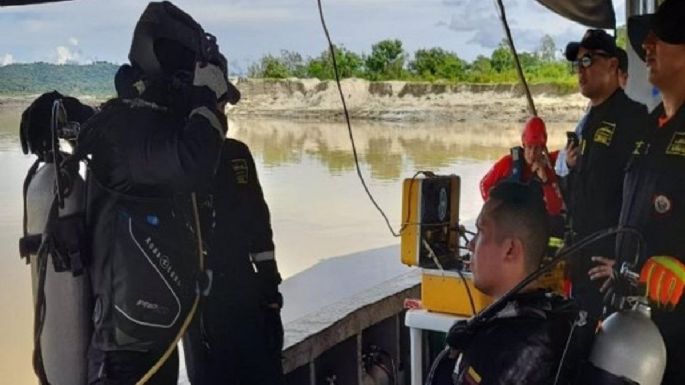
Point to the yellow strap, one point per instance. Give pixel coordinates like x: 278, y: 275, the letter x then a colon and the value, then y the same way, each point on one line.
x: 170, y: 349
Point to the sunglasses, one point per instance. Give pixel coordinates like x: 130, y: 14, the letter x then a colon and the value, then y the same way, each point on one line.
x: 587, y: 60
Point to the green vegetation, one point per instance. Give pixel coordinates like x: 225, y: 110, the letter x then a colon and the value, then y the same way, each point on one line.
x: 389, y: 61
x: 93, y: 79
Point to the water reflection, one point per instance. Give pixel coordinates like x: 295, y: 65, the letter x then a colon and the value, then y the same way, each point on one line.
x: 386, y: 148
x: 318, y: 208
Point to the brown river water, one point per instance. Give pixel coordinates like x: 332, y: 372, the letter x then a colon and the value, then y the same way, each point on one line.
x: 319, y: 209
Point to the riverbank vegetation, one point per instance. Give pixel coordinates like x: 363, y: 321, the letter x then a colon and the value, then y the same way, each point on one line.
x: 388, y: 60
x: 95, y: 79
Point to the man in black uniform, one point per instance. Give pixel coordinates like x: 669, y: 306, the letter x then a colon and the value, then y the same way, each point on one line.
x: 607, y: 136
x: 654, y: 191
x: 152, y: 148
x: 523, y: 341
x: 238, y: 338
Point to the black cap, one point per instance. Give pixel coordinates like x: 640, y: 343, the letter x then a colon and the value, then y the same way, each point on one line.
x: 594, y: 39
x: 622, y: 56
x: 667, y: 24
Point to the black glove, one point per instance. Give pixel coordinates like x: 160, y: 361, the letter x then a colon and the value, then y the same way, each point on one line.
x: 128, y: 82
x: 269, y: 279
x: 460, y: 335
x: 273, y: 330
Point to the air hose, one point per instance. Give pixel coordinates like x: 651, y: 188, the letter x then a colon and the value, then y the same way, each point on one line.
x: 562, y: 254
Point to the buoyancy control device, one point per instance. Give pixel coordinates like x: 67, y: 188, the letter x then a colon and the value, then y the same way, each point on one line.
x: 146, y: 260
x: 53, y: 241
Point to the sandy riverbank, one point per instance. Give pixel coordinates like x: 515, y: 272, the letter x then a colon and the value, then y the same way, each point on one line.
x: 390, y: 101
x: 396, y: 100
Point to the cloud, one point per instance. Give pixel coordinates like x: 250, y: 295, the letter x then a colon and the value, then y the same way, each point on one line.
x: 528, y: 20
x: 67, y: 55
x: 73, y: 41
x: 6, y: 59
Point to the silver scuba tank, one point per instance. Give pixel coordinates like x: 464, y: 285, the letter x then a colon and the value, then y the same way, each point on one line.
x: 630, y: 345
x: 66, y: 329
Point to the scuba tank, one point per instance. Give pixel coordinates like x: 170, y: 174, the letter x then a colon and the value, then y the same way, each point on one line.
x: 629, y: 345
x: 53, y: 243
x: 628, y: 348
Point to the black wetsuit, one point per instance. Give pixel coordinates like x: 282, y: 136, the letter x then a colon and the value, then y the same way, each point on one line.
x: 592, y: 190
x: 654, y: 204
x: 522, y: 344
x: 148, y: 155
x: 239, y: 338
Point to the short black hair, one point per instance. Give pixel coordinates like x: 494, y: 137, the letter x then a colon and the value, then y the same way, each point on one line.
x: 521, y: 213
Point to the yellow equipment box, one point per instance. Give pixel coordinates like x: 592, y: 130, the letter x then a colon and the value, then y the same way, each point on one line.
x: 444, y: 291
x: 430, y: 216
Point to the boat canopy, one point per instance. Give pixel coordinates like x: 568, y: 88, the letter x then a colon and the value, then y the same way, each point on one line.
x: 592, y: 13
x: 5, y: 3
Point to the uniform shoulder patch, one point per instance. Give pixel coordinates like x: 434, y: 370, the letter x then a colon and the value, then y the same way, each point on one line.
x: 240, y: 170
x: 605, y: 133
x: 677, y: 144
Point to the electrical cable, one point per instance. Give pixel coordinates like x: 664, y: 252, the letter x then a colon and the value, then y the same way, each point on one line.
x: 346, y: 113
x: 468, y: 292
x: 436, y: 362
x: 581, y: 321
x: 519, y: 69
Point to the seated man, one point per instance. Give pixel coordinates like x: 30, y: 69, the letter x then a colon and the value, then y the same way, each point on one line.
x: 522, y: 342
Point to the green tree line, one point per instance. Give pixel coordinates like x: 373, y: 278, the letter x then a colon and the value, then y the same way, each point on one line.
x: 388, y: 60
x: 73, y: 79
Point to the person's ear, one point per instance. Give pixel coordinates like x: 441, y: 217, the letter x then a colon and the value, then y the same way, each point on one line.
x: 613, y: 63
x: 515, y: 250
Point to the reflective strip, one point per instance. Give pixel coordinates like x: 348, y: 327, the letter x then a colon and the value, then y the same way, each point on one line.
x: 263, y: 256
x: 211, y: 117
x: 673, y: 265
x: 556, y: 242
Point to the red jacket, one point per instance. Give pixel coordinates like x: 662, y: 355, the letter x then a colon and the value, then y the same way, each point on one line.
x: 502, y: 170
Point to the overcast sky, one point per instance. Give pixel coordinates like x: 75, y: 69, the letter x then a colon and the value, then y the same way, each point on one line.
x: 87, y: 30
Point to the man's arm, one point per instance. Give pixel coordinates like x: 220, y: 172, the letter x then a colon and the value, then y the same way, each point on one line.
x: 181, y: 159
x: 262, y: 250
x: 499, y: 171
x: 189, y: 156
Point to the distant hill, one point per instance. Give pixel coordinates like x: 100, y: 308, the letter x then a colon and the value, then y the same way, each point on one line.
x: 34, y: 78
